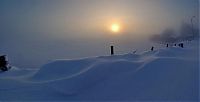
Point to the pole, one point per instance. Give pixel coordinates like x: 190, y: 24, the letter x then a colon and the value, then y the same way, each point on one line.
x: 112, y: 50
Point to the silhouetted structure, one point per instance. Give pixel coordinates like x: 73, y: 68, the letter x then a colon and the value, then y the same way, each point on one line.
x: 112, y: 50
x: 174, y: 44
x: 181, y: 45
x: 3, y: 63
x: 167, y: 45
x: 152, y: 48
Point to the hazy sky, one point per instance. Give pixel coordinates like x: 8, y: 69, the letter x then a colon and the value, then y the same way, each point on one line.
x: 33, y: 32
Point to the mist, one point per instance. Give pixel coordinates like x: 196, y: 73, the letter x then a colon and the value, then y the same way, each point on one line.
x: 187, y: 32
x: 33, y: 33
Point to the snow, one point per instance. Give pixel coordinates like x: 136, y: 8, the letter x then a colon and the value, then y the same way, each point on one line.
x: 166, y: 74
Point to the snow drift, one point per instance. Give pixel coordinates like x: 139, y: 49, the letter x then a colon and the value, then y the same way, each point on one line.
x: 168, y: 74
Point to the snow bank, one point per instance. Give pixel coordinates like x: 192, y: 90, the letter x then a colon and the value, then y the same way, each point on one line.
x: 168, y: 74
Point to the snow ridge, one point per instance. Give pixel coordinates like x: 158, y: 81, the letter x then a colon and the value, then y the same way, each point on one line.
x: 162, y: 75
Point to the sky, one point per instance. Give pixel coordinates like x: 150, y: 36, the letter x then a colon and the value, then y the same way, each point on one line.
x: 34, y: 32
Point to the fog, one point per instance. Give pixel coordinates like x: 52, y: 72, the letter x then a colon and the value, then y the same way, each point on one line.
x: 34, y: 32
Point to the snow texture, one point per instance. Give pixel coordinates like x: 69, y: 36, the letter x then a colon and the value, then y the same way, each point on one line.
x: 167, y: 74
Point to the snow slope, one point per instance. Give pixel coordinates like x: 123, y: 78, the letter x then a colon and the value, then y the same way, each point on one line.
x: 168, y: 74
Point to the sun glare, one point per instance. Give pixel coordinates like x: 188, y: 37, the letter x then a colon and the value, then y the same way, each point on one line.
x: 115, y: 28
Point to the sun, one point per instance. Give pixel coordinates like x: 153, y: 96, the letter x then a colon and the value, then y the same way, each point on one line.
x: 115, y: 28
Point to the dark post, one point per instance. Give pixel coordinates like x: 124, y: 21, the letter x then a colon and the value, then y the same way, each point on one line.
x: 152, y: 48
x: 182, y: 45
x: 3, y: 63
x: 167, y: 45
x: 112, y: 50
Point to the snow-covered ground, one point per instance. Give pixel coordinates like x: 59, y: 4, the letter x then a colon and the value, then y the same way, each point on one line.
x: 168, y: 74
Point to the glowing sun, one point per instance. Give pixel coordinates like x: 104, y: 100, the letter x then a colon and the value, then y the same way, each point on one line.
x: 115, y: 28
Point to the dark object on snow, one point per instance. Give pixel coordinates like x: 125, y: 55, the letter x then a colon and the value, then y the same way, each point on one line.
x: 3, y: 63
x: 180, y: 45
x: 112, y: 50
x: 167, y: 45
x: 134, y: 51
x: 174, y: 44
x: 152, y: 48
